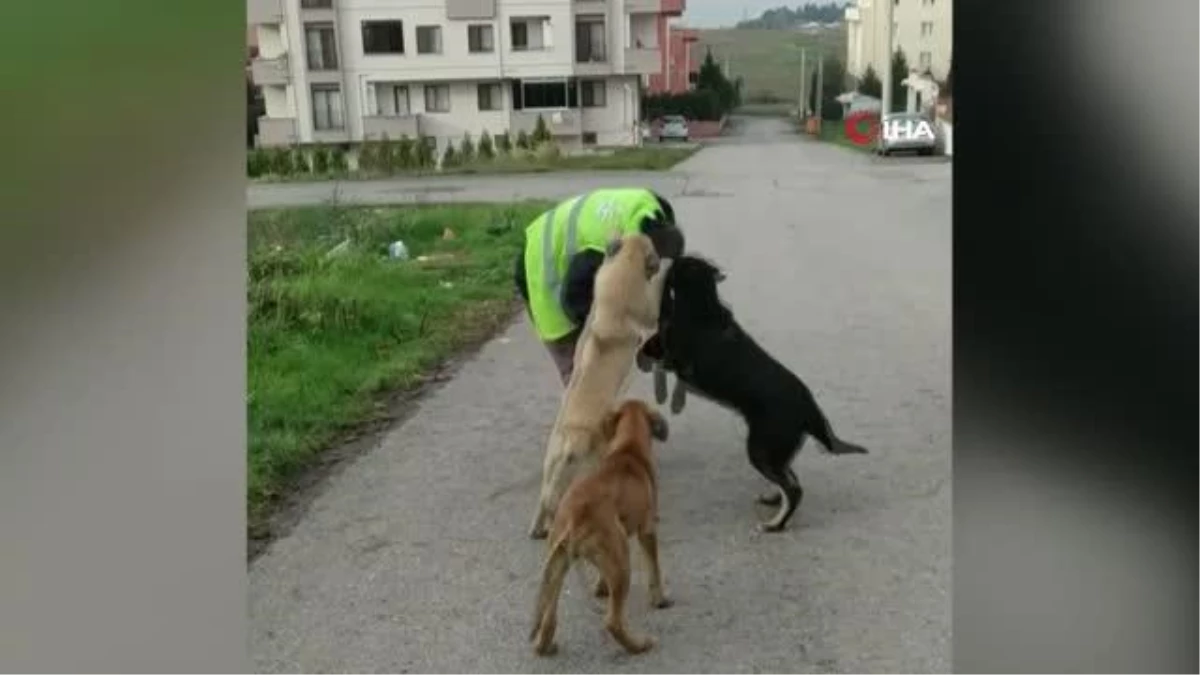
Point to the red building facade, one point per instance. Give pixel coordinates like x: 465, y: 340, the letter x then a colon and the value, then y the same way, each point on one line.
x: 679, y: 59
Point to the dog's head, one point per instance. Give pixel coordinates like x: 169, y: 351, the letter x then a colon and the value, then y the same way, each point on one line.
x: 634, y: 248
x: 692, y: 289
x: 636, y: 418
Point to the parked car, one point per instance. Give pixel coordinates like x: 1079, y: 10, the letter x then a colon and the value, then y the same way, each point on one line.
x: 908, y: 132
x: 673, y: 127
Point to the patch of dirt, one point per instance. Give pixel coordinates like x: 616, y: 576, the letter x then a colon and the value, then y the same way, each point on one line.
x: 393, y: 409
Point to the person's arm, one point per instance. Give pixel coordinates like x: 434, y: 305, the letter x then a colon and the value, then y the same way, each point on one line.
x: 577, y: 287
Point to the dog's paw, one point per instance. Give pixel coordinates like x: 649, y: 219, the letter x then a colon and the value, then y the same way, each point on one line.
x: 769, y: 528
x: 600, y: 590
x: 773, y: 498
x: 538, y: 533
x: 548, y: 649
x: 663, y: 602
x: 645, y: 645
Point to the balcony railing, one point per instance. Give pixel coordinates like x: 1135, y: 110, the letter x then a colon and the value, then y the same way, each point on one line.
x: 271, y: 71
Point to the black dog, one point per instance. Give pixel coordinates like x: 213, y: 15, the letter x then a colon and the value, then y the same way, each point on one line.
x: 700, y: 341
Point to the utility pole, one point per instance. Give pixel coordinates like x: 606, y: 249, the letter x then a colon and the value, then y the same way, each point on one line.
x: 820, y: 93
x: 886, y: 107
x: 803, y: 85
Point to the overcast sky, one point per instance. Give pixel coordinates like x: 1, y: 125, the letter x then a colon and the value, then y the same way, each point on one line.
x: 714, y: 13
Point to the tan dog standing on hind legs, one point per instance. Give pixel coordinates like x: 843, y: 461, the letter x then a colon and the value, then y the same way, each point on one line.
x: 597, y: 516
x: 623, y: 316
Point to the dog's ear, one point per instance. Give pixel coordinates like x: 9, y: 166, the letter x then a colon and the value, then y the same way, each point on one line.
x: 653, y: 263
x: 659, y: 428
x: 716, y: 273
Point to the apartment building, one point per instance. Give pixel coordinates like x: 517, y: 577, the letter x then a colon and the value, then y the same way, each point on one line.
x: 922, y: 28
x: 345, y: 71
x: 681, y: 63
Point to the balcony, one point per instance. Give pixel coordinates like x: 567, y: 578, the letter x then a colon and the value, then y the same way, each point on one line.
x: 393, y: 126
x: 316, y: 10
x: 277, y: 131
x: 643, y: 6
x: 642, y: 61
x: 271, y: 71
x: 592, y: 63
x: 264, y: 11
x: 673, y: 7
x: 559, y: 122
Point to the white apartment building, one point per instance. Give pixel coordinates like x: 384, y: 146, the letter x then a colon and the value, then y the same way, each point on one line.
x: 922, y: 29
x: 344, y: 71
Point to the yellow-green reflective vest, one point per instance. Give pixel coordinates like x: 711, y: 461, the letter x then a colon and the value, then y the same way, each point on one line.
x: 584, y: 222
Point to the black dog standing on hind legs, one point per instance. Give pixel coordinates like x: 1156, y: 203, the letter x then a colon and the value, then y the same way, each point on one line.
x: 711, y: 355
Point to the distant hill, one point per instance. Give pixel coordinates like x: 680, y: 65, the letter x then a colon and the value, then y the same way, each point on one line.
x: 768, y: 60
x: 784, y: 18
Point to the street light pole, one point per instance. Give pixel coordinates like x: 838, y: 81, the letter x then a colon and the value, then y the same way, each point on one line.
x: 803, y: 85
x: 886, y: 103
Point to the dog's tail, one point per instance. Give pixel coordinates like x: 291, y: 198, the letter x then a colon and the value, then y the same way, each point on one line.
x: 553, y: 575
x: 829, y: 440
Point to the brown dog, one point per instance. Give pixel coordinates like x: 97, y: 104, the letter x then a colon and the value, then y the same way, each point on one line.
x: 628, y: 291
x: 595, y: 519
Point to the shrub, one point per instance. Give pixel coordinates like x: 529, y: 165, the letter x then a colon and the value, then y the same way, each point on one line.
x: 424, y: 152
x: 486, y: 148
x: 300, y: 163
x: 403, y: 157
x: 450, y: 158
x: 548, y: 152
x: 337, y: 159
x: 466, y: 151
x: 387, y: 155
x: 280, y: 162
x: 503, y: 143
x: 258, y: 163
x: 368, y: 156
x: 523, y: 140
x: 541, y: 133
x: 320, y: 160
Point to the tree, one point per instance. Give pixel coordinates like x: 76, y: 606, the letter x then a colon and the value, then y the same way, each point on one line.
x: 712, y: 78
x: 523, y: 140
x: 541, y: 133
x: 869, y: 84
x: 486, y: 149
x: 450, y: 157
x: 899, y: 73
x: 467, y: 149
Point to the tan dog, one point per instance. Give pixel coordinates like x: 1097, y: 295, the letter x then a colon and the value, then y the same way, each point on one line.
x: 626, y: 298
x: 597, y: 516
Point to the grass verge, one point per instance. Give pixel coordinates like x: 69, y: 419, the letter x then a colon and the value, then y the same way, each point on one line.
x: 330, y: 334
x: 616, y: 159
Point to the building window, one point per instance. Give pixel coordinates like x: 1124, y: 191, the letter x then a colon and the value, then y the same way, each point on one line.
x: 926, y: 28
x: 925, y: 60
x: 437, y: 98
x: 321, y: 44
x: 542, y: 94
x: 529, y: 34
x: 481, y: 39
x: 383, y: 37
x: 392, y: 100
x: 593, y: 93
x: 927, y: 3
x: 693, y: 77
x: 316, y: 4
x: 327, y: 107
x: 489, y: 96
x: 429, y: 39
x: 590, y: 41
x: 589, y: 138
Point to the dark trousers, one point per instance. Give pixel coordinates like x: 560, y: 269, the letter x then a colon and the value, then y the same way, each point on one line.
x: 562, y: 350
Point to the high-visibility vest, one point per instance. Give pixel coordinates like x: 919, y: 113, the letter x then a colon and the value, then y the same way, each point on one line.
x: 584, y: 222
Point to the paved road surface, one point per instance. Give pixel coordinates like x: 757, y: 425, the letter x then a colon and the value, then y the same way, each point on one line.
x: 415, y: 557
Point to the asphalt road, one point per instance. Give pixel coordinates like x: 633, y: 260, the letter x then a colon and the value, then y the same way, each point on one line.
x: 415, y: 558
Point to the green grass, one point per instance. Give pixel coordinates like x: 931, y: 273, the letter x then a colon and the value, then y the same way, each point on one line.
x: 769, y: 60
x: 614, y: 159
x: 329, y: 335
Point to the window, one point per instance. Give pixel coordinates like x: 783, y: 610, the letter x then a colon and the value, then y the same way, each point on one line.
x: 391, y: 100
x: 589, y: 138
x: 589, y: 41
x: 316, y: 4
x: 327, y: 107
x: 926, y: 28
x: 927, y: 3
x: 429, y: 39
x: 383, y: 37
x: 541, y: 94
x: 926, y: 60
x: 437, y: 98
x: 593, y: 93
x: 529, y: 33
x: 693, y: 77
x: 321, y: 45
x: 481, y: 39
x: 489, y: 96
